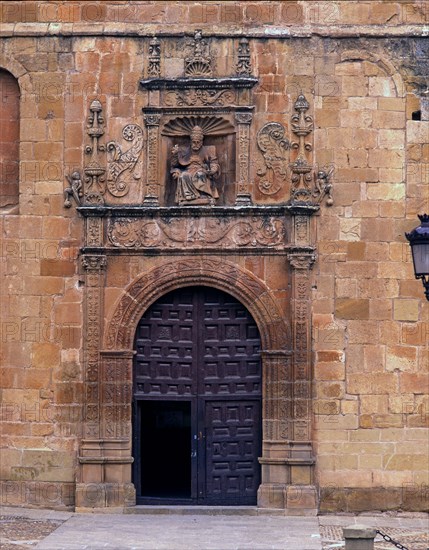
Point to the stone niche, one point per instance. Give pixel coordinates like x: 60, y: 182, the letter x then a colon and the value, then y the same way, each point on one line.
x: 220, y: 107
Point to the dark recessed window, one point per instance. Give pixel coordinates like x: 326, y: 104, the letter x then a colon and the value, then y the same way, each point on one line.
x: 9, y: 140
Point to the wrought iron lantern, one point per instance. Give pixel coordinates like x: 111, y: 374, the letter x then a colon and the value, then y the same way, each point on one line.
x: 419, y: 242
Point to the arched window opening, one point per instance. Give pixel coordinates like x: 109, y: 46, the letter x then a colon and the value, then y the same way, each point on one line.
x: 9, y: 141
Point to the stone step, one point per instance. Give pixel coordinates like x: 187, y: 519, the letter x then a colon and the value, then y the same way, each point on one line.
x: 203, y: 510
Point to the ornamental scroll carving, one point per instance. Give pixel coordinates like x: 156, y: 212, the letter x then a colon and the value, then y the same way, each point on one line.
x: 101, y: 176
x: 122, y: 165
x: 197, y: 233
x: 274, y: 147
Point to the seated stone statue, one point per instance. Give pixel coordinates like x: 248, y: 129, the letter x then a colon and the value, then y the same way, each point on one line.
x: 194, y: 168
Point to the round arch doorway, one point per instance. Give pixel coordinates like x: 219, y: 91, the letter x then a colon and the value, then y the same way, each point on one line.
x: 197, y: 401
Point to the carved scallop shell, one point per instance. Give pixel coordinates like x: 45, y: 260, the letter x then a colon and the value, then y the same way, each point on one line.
x: 211, y: 125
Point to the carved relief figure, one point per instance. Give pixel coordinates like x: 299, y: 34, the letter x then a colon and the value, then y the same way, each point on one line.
x: 195, y: 169
x: 75, y: 189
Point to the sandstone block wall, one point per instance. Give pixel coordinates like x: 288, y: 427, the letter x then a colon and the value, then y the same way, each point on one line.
x: 361, y: 66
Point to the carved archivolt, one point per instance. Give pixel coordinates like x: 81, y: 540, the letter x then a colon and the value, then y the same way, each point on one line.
x: 226, y: 276
x: 197, y: 232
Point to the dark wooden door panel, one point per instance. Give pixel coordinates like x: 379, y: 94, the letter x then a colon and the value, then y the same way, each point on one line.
x: 202, y: 344
x: 232, y: 450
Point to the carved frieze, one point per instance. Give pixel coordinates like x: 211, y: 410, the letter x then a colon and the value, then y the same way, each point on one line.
x: 200, y: 97
x: 274, y: 147
x: 194, y: 233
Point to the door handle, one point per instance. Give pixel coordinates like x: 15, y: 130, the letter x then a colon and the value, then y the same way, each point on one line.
x: 194, y: 454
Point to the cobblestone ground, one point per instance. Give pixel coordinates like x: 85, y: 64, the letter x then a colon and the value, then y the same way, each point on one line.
x: 332, y: 535
x: 410, y: 530
x: 20, y: 532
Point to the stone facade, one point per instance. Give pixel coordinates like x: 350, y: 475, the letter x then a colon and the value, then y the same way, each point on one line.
x: 318, y: 116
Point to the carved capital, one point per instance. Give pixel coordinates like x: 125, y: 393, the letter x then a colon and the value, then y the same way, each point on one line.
x: 243, y: 118
x: 302, y: 257
x: 152, y: 119
x: 93, y: 262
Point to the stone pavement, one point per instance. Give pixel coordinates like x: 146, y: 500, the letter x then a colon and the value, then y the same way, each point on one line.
x: 248, y: 531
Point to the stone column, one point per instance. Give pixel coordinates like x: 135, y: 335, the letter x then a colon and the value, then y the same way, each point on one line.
x: 105, y: 461
x: 152, y: 186
x: 243, y: 121
x: 301, y: 495
x: 277, y: 415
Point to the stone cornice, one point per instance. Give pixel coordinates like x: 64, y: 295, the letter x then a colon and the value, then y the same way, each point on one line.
x: 175, y: 31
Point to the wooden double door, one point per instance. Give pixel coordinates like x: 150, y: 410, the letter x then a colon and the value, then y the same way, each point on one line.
x: 197, y: 401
